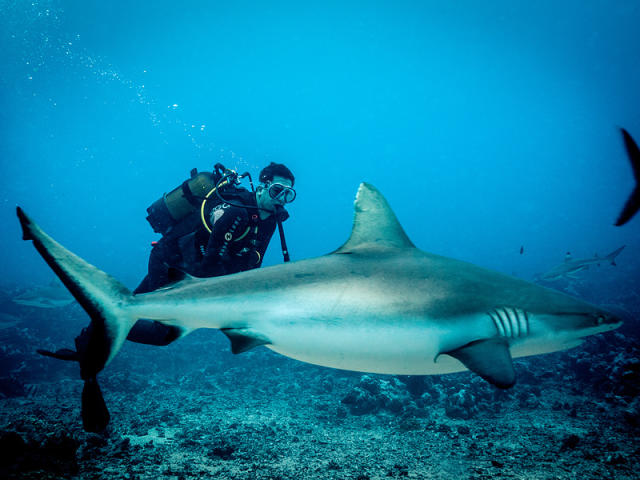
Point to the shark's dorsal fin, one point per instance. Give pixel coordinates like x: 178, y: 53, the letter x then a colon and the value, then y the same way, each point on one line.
x: 490, y: 359
x: 375, y: 226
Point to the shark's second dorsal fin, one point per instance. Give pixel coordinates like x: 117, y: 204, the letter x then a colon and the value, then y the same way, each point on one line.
x: 375, y: 226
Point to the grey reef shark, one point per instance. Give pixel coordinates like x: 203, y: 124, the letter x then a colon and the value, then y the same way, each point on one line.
x: 53, y: 295
x: 633, y: 202
x: 376, y: 304
x: 570, y: 267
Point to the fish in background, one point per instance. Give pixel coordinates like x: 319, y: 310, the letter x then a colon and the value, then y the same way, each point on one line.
x: 570, y: 267
x: 633, y: 202
x: 53, y: 295
x: 8, y: 321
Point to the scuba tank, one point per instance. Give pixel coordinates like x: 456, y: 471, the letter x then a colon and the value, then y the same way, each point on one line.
x: 185, y: 209
x: 186, y: 199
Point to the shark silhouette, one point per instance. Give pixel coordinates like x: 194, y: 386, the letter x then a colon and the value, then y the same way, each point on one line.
x: 377, y: 304
x: 53, y: 295
x: 570, y: 267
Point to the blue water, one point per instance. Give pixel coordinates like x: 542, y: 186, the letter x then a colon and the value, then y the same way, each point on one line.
x: 487, y: 125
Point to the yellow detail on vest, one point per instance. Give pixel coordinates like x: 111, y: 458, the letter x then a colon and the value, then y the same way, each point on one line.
x: 204, y: 202
x: 243, y: 235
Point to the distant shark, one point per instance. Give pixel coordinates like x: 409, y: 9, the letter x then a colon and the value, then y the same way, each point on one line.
x: 633, y: 202
x: 8, y: 321
x: 376, y: 304
x: 53, y: 295
x: 571, y: 267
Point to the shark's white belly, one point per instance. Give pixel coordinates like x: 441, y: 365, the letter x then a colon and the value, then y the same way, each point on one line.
x: 410, y: 347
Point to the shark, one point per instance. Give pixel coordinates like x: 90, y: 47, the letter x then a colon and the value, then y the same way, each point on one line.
x: 53, y: 295
x: 377, y: 304
x: 570, y: 267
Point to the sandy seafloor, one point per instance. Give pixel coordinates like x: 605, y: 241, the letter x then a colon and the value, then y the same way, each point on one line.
x: 194, y: 410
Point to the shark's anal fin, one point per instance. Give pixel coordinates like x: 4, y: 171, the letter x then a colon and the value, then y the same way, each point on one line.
x: 243, y: 339
x: 490, y: 359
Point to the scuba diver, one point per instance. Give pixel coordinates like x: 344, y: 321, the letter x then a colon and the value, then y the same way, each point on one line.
x: 225, y: 231
x: 210, y: 226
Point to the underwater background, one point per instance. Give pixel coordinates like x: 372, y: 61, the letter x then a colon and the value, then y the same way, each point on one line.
x: 492, y: 128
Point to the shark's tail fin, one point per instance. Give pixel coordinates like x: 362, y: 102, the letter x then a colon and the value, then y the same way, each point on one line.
x: 104, y: 299
x: 612, y: 256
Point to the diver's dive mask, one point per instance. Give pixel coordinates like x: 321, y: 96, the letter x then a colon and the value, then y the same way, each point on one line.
x: 281, y: 193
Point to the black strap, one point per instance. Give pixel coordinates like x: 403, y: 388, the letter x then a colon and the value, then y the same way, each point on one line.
x: 188, y: 194
x: 283, y: 242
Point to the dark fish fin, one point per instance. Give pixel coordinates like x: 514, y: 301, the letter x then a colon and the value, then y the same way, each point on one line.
x: 633, y: 152
x: 243, y: 339
x: 612, y: 256
x: 633, y: 202
x: 630, y: 208
x: 150, y: 332
x: 490, y: 359
x: 95, y: 415
x: 62, y: 354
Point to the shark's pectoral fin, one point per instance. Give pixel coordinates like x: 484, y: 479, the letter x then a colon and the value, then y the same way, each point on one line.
x: 243, y: 339
x: 490, y: 359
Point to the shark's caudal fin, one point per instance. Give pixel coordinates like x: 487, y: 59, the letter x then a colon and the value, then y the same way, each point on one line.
x: 612, y: 256
x: 375, y: 226
x: 104, y: 299
x: 633, y: 202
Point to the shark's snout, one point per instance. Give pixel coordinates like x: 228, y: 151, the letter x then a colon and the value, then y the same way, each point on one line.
x: 575, y: 323
x: 607, y: 321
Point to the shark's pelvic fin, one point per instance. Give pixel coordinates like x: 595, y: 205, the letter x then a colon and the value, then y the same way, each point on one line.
x: 633, y: 202
x: 490, y: 359
x: 375, y: 226
x: 243, y: 339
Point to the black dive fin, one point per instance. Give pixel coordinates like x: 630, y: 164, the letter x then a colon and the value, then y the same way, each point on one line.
x: 633, y: 202
x: 95, y: 415
x: 62, y: 354
x: 243, y: 339
x: 490, y: 359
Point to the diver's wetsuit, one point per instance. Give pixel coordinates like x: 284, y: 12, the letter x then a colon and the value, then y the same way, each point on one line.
x: 238, y: 241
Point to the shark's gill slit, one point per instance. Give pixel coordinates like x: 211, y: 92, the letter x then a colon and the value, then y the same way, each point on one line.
x: 524, y: 322
x: 510, y: 322
x: 505, y: 321
x: 513, y: 320
x: 497, y: 322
